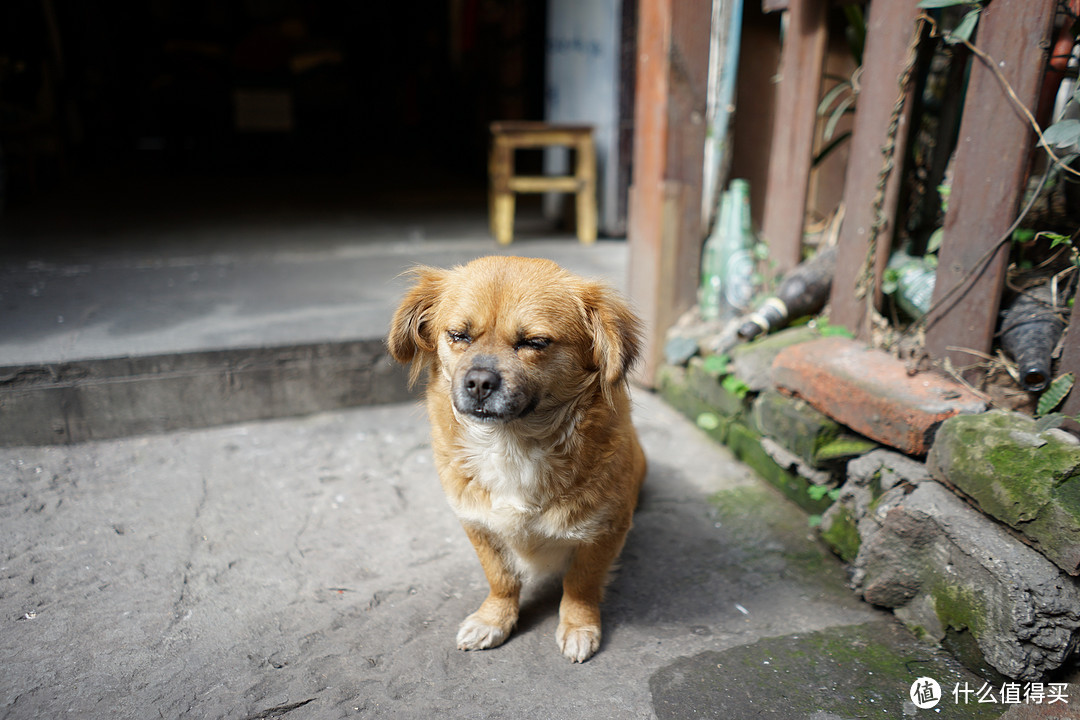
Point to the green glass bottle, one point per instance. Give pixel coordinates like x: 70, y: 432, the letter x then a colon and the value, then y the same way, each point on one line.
x: 737, y: 259
x: 710, y: 292
x: 727, y: 262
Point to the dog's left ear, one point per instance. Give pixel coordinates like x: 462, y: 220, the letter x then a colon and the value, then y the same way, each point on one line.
x: 616, y: 333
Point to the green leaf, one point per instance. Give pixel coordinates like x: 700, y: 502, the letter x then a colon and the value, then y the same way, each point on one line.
x: 1052, y: 420
x: 1056, y: 239
x: 1023, y: 235
x: 943, y: 193
x: 1054, y: 394
x: 1063, y: 134
x: 830, y: 97
x: 735, y: 386
x: 716, y: 364
x: 890, y: 281
x: 814, y: 521
x: 842, y: 109
x: 708, y: 421
x: 835, y: 331
x: 817, y: 492
x: 843, y: 447
x: 934, y: 243
x: 965, y: 28
x: 855, y: 31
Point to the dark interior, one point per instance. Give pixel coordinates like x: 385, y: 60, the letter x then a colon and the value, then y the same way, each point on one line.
x: 120, y: 109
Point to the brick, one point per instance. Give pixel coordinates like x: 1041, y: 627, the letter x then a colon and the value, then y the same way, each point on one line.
x: 871, y: 392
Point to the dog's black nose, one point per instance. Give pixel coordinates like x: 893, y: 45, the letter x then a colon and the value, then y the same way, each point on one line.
x: 479, y: 383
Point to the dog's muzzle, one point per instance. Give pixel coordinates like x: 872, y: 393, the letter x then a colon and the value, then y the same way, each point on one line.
x: 482, y: 394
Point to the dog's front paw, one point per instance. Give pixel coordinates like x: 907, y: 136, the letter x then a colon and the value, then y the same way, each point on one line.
x: 476, y: 634
x: 580, y: 642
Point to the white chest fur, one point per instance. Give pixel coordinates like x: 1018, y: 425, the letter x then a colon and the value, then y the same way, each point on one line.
x: 516, y: 498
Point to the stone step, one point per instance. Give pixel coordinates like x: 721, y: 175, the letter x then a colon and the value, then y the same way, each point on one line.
x: 95, y: 399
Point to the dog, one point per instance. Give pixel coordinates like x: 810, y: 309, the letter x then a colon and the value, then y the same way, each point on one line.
x: 529, y: 404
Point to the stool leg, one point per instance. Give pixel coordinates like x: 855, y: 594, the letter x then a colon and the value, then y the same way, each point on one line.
x: 493, y: 170
x: 586, y: 194
x: 501, y: 199
x: 503, y: 218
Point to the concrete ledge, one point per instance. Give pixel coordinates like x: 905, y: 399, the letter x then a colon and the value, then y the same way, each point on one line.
x: 115, y: 397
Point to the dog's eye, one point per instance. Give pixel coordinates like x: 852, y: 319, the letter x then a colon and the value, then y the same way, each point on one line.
x: 459, y: 336
x: 537, y: 343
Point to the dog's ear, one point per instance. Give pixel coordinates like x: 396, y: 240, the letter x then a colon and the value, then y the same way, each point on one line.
x: 410, y: 338
x: 616, y: 333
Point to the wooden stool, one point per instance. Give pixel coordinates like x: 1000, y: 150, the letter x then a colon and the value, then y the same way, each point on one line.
x: 508, y: 137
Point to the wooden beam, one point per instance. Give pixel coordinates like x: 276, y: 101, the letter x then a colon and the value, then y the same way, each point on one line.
x: 990, y: 169
x: 792, y: 149
x: 665, y: 233
x: 888, y: 38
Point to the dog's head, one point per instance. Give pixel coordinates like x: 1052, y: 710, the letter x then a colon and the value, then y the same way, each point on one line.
x: 514, y: 336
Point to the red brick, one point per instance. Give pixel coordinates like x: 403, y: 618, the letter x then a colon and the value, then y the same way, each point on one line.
x: 871, y: 392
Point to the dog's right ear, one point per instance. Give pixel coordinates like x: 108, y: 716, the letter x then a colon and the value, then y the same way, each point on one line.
x: 410, y: 331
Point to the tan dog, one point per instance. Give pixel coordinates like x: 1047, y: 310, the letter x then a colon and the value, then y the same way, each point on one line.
x: 531, y: 432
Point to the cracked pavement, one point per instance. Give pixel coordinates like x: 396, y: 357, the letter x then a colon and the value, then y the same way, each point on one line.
x: 311, y: 568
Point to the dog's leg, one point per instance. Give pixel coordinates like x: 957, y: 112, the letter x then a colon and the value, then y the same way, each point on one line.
x: 491, y: 624
x: 578, y: 634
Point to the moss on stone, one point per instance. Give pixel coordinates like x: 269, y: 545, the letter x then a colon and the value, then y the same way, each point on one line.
x: 853, y: 671
x: 959, y: 607
x: 842, y: 534
x: 986, y: 457
x: 708, y: 386
x: 845, y: 446
x: 963, y: 646
x: 794, y: 424
x: 746, y: 446
x: 671, y: 383
x: 1026, y: 479
x: 1068, y: 498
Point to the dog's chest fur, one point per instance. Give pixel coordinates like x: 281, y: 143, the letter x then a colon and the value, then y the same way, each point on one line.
x: 518, y: 493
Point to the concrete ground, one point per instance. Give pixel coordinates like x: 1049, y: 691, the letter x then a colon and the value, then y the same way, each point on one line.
x: 310, y: 567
